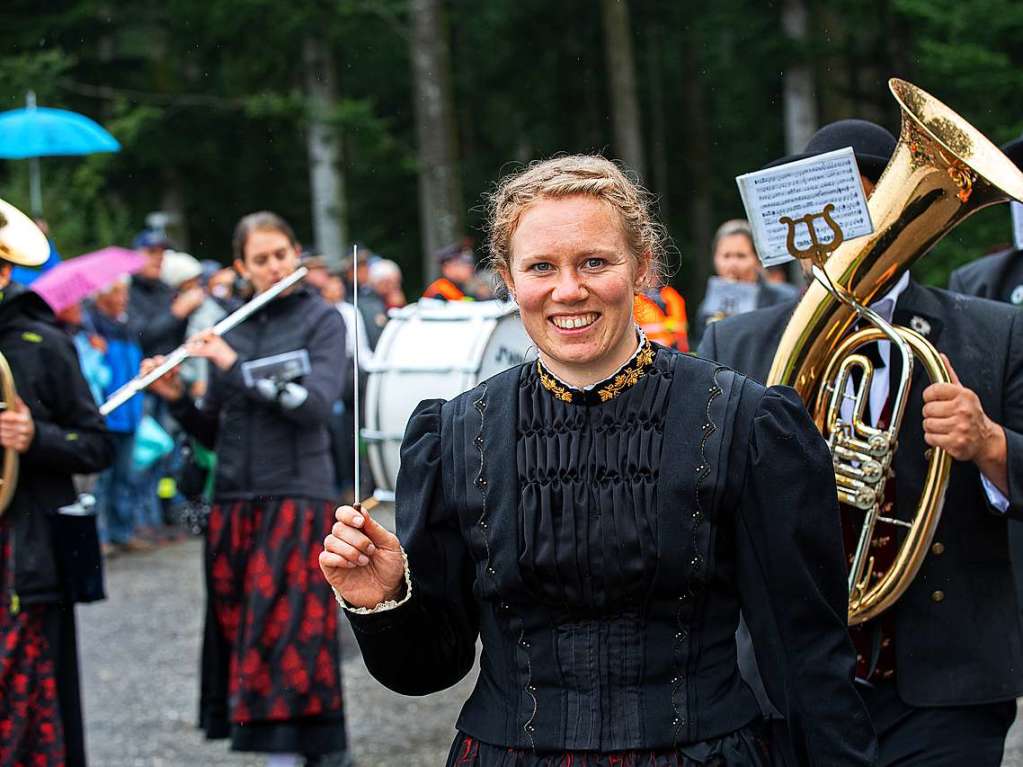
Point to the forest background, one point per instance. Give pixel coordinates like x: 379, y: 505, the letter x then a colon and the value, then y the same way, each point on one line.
x: 386, y: 121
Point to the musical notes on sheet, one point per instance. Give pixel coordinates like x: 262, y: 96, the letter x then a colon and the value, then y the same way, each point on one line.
x: 803, y: 188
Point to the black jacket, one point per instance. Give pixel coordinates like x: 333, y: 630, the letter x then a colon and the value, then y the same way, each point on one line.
x: 998, y: 277
x: 628, y: 642
x: 768, y: 294
x: 264, y: 449
x: 149, y: 316
x: 968, y: 647
x: 70, y: 438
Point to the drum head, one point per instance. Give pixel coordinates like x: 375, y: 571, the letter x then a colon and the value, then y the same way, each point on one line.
x: 433, y: 350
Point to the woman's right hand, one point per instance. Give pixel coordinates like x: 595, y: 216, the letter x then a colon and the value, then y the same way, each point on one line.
x: 168, y: 386
x: 362, y: 560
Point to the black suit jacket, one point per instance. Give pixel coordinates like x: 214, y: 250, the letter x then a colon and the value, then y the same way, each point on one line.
x: 998, y: 277
x: 965, y: 645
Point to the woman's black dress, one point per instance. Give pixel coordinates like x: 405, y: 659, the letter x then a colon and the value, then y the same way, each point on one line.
x: 602, y: 542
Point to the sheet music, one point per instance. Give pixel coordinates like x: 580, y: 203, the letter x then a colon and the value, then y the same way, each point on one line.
x: 1017, y: 224
x: 800, y: 188
x: 727, y: 297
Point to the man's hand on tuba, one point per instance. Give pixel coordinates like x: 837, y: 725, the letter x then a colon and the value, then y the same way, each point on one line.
x: 17, y: 429
x: 954, y: 419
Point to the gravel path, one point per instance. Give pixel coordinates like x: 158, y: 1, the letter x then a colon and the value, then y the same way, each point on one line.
x: 140, y: 653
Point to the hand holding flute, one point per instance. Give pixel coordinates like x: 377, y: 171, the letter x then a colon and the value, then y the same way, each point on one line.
x: 205, y: 344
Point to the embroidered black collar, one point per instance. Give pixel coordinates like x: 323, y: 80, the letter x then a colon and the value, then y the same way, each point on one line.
x: 626, y: 377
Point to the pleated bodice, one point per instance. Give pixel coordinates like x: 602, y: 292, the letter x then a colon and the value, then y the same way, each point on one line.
x: 588, y: 474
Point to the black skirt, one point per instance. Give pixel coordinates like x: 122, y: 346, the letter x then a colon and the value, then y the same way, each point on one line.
x: 271, y: 678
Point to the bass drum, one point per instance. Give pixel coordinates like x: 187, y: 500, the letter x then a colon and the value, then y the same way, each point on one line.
x: 429, y: 350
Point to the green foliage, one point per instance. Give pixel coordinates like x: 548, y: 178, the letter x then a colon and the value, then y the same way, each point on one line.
x: 208, y: 102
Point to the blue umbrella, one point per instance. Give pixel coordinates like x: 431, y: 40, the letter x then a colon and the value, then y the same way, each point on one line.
x: 35, y: 132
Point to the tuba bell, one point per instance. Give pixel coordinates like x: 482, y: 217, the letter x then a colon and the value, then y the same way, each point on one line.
x: 942, y: 171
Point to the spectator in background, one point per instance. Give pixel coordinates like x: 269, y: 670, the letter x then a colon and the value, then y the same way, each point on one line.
x: 158, y: 316
x: 385, y: 279
x: 220, y: 287
x: 341, y: 424
x: 117, y: 489
x: 183, y: 272
x: 372, y: 308
x: 317, y: 266
x: 736, y: 261
x: 157, y: 312
x: 333, y: 290
x: 457, y: 266
x: 90, y: 347
x: 335, y: 293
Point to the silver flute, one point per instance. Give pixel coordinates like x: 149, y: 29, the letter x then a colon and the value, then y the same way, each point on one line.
x: 179, y: 355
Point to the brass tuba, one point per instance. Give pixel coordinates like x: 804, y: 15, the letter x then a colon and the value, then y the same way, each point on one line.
x: 9, y: 470
x: 942, y: 171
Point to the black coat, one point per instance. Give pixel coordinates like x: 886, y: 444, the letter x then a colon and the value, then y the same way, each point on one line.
x: 70, y: 438
x: 149, y: 316
x: 998, y: 277
x: 602, y: 551
x: 968, y: 647
x: 263, y: 449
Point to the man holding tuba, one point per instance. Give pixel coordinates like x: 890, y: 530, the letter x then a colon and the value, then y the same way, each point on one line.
x: 53, y: 429
x: 941, y: 668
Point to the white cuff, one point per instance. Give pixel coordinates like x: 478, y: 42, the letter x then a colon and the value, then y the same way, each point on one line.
x: 994, y: 495
x: 383, y: 607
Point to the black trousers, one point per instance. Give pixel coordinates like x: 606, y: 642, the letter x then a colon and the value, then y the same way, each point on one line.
x: 949, y: 736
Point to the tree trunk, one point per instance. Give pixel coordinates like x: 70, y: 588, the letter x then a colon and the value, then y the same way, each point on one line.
x: 172, y: 217
x: 799, y: 96
x: 621, y: 78
x: 659, y: 139
x: 440, y: 186
x: 326, y: 179
x: 799, y: 91
x: 699, y: 176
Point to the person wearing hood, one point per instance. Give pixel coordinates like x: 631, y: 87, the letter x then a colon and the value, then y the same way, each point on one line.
x: 117, y: 489
x: 48, y: 561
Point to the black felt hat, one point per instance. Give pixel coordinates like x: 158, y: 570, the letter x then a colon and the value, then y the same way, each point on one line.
x: 872, y: 145
x: 1014, y: 151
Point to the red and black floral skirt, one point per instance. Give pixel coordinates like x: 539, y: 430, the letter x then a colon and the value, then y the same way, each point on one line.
x: 37, y: 728
x: 271, y: 653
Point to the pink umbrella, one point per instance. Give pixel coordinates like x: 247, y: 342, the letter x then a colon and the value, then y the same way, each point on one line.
x: 70, y: 281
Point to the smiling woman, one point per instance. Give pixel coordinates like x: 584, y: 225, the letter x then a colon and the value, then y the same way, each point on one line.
x: 599, y: 517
